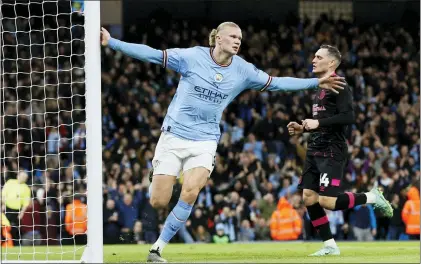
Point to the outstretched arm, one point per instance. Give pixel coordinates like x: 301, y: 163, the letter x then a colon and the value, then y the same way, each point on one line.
x: 290, y: 84
x: 260, y: 80
x: 175, y: 59
x: 137, y: 51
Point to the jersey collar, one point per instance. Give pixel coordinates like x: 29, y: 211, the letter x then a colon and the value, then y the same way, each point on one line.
x: 222, y: 65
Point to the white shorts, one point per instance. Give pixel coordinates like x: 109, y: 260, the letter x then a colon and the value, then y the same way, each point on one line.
x: 174, y: 154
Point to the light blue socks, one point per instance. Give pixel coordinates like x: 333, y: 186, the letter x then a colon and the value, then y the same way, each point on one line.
x: 175, y: 220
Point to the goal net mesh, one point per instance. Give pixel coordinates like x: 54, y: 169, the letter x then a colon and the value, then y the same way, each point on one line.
x: 43, y: 159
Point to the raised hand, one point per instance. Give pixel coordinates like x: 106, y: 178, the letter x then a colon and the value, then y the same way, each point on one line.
x: 105, y: 36
x: 332, y: 83
x: 294, y: 128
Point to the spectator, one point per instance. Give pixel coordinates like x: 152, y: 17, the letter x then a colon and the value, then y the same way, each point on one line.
x: 220, y: 237
x: 197, y: 219
x: 50, y: 223
x: 17, y: 196
x: 31, y: 222
x: 396, y: 227
x: 112, y: 224
x: 201, y: 235
x: 267, y: 206
x: 53, y: 145
x: 138, y: 235
x: 229, y: 221
x: 411, y: 213
x: 364, y: 224
x: 128, y: 213
x: 289, y: 185
x: 285, y: 223
x: 246, y: 231
x: 76, y: 218
x: 254, y: 146
x: 237, y: 131
x: 261, y: 229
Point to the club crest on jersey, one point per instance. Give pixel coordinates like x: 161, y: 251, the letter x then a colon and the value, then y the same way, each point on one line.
x: 322, y: 94
x: 218, y: 77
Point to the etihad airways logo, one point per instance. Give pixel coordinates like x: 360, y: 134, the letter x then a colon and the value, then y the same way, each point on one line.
x: 210, y: 95
x: 317, y: 108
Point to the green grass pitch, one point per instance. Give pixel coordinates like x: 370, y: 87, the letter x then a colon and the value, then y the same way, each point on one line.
x: 284, y: 252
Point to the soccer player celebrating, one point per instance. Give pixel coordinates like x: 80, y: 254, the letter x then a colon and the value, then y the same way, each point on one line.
x: 327, y: 154
x: 211, y: 77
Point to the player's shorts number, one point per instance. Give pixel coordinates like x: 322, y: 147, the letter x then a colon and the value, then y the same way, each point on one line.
x: 324, y: 179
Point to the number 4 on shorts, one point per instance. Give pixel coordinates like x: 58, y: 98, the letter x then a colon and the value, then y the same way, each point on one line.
x: 324, y: 179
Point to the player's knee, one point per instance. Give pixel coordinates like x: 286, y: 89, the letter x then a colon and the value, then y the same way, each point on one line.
x: 327, y: 202
x: 194, y: 180
x: 158, y: 202
x: 310, y: 197
x: 189, y: 194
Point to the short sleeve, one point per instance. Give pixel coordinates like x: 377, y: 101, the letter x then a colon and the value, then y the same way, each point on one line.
x: 176, y: 59
x: 257, y: 79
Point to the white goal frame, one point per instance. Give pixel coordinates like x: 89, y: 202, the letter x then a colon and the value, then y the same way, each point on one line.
x: 93, y: 252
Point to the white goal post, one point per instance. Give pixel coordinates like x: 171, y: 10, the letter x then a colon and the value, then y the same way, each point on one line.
x: 50, y: 74
x: 94, y: 250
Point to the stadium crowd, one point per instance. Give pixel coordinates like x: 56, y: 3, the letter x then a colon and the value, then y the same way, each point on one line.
x: 252, y: 193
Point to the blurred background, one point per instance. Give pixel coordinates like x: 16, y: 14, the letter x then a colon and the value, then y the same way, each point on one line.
x: 258, y: 165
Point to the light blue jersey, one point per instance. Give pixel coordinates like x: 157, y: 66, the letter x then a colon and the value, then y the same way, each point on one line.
x: 206, y: 87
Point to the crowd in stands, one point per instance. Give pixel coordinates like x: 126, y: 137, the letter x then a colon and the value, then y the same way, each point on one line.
x: 252, y: 193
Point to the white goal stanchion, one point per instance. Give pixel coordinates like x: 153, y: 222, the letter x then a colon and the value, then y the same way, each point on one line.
x: 50, y: 132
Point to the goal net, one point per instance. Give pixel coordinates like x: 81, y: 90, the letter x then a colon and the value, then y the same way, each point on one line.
x: 50, y: 131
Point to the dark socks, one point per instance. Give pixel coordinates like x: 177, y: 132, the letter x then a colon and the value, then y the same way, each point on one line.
x: 349, y: 200
x: 320, y: 221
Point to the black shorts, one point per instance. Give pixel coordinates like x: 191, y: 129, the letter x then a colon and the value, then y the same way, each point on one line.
x: 323, y: 171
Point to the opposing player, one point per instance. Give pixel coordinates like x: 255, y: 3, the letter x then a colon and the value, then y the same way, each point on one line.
x: 210, y: 79
x: 327, y: 154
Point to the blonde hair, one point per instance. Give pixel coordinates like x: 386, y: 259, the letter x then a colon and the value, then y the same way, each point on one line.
x: 214, y: 32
